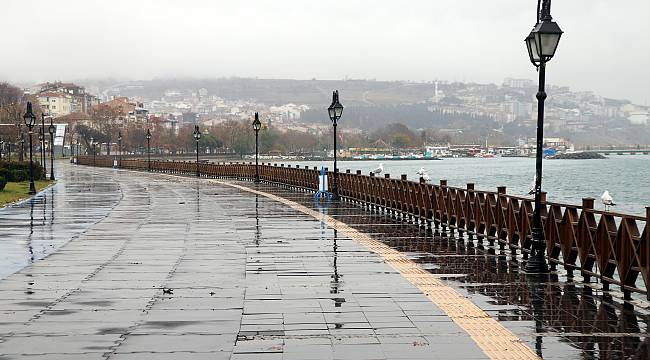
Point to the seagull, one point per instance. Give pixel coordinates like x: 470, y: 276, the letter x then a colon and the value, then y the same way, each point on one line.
x: 532, y: 188
x: 421, y: 171
x: 531, y: 191
x: 426, y: 177
x: 378, y: 170
x: 607, y: 200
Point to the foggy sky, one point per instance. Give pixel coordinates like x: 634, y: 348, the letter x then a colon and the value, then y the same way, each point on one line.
x: 604, y: 48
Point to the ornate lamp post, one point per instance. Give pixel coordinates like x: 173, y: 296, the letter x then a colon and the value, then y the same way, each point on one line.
x: 52, y: 128
x: 119, y: 149
x: 92, y: 146
x: 30, y: 120
x: 257, y: 125
x: 197, y: 137
x: 148, y: 149
x: 335, y: 111
x: 541, y: 43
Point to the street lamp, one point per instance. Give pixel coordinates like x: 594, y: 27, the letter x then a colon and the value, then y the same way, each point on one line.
x: 197, y: 137
x: 52, y: 129
x: 148, y: 149
x: 335, y: 111
x: 541, y: 44
x: 30, y: 120
x: 257, y: 125
x: 119, y: 147
x: 92, y: 145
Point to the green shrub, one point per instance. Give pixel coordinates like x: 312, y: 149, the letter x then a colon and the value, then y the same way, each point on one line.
x: 18, y: 175
x: 3, y: 182
x: 19, y: 171
x: 6, y: 174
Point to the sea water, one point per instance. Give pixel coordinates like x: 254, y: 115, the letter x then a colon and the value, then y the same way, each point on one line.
x: 626, y: 177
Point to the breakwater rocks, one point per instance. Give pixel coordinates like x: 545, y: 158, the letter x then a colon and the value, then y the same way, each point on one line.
x: 577, y: 156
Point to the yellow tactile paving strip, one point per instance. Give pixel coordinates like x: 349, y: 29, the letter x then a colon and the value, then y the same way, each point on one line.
x: 496, y: 341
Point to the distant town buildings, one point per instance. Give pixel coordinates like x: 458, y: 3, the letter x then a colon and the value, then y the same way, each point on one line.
x: 59, y: 98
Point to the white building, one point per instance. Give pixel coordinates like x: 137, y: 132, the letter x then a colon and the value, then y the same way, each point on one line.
x: 55, y: 103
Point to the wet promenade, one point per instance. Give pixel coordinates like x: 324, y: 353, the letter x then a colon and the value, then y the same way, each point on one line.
x: 127, y: 265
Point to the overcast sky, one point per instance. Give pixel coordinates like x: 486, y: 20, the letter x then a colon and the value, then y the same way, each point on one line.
x: 605, y: 47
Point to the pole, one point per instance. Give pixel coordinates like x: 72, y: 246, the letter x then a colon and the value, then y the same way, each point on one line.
x: 32, y: 188
x: 257, y: 170
x: 335, y: 185
x: 197, y: 158
x: 51, y: 153
x: 537, y: 262
x: 148, y: 154
x: 94, y: 155
x: 43, y: 144
x: 21, y: 155
x: 119, y: 157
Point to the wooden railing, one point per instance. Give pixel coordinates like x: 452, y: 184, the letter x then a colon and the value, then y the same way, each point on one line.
x: 611, y: 246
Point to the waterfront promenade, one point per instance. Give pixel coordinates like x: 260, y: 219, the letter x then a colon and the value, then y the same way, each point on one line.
x: 156, y: 266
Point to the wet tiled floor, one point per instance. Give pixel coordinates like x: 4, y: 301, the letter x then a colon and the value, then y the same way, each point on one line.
x: 152, y: 267
x: 557, y: 317
x: 182, y: 269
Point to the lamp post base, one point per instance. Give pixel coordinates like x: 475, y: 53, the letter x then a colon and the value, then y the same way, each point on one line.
x: 536, y: 263
x: 32, y: 188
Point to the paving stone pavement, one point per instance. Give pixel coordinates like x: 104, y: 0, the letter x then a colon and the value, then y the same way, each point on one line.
x: 184, y: 269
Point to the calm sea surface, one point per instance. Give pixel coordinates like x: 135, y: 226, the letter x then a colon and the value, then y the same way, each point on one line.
x: 627, y: 177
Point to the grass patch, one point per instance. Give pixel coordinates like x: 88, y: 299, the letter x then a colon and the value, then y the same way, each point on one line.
x: 15, y: 191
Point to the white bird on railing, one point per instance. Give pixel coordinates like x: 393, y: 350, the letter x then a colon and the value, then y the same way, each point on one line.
x: 421, y: 172
x: 531, y: 191
x: 532, y: 188
x: 607, y: 200
x: 378, y: 170
x: 426, y: 177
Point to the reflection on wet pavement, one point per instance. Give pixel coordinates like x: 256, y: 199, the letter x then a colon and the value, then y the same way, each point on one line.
x: 560, y: 319
x: 149, y: 266
x: 35, y: 228
x: 184, y: 269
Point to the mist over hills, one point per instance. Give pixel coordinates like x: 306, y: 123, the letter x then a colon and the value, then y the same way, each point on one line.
x: 505, y: 111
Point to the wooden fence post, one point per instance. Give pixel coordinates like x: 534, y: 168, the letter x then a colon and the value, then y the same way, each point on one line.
x: 647, y: 245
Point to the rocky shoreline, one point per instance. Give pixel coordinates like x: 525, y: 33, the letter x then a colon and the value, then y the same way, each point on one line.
x: 577, y: 156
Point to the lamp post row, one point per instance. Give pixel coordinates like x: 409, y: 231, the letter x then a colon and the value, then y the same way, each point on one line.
x: 541, y: 44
